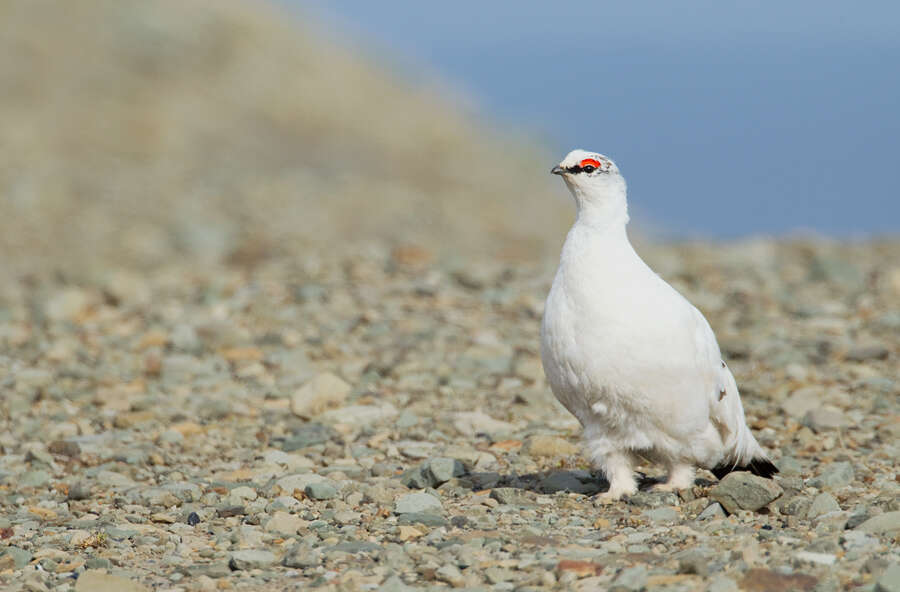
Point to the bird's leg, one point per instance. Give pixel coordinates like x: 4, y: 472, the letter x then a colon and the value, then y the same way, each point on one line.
x: 617, y: 468
x: 681, y: 476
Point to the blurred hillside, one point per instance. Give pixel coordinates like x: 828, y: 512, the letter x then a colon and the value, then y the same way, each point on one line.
x: 138, y: 132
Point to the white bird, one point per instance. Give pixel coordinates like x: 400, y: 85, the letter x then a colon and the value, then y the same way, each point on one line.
x: 630, y: 357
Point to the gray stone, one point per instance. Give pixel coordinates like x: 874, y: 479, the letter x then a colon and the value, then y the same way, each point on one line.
x: 511, y: 496
x: 802, y: 401
x: 302, y: 556
x: 631, y: 579
x: 251, y: 559
x: 886, y: 523
x: 321, y: 490
x: 822, y: 504
x: 451, y: 574
x: 866, y: 352
x: 284, y: 524
x: 322, y: 392
x: 825, y: 418
x: 652, y: 499
x: 712, y: 511
x: 889, y: 580
x: 662, y: 515
x: 97, y: 563
x: 442, y: 470
x: 308, y: 435
x: 835, y: 475
x: 744, y: 491
x: 789, y: 466
x: 416, y: 478
x: 20, y: 557
x: 796, y: 506
x: 37, y: 478
x: 566, y: 481
x: 354, y: 547
x: 413, y: 503
x: 428, y: 519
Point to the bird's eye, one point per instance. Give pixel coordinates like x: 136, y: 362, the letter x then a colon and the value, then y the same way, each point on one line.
x: 589, y: 165
x: 589, y: 168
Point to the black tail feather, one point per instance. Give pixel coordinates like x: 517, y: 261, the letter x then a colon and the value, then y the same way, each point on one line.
x: 761, y: 467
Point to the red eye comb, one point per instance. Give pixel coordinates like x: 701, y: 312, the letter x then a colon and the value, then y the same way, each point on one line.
x: 589, y: 162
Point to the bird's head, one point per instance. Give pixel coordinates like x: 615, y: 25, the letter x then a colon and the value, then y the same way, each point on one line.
x: 596, y: 183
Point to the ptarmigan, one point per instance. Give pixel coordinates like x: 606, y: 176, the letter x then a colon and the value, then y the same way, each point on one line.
x: 630, y: 357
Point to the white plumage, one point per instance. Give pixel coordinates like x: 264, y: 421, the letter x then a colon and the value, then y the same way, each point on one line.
x: 629, y: 356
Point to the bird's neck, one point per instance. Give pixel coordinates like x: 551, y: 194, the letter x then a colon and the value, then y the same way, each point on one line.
x: 602, y: 207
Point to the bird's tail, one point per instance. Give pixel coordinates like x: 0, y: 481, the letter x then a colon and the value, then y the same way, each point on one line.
x: 744, y: 452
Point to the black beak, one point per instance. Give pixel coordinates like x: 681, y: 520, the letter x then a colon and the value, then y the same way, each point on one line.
x: 558, y: 170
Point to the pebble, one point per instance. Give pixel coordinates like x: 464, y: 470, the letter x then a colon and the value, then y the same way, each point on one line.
x: 251, y: 559
x: 822, y: 504
x: 889, y: 580
x: 324, y: 391
x: 321, y: 490
x: 834, y: 476
x: 744, y: 491
x: 415, y: 503
x: 886, y: 523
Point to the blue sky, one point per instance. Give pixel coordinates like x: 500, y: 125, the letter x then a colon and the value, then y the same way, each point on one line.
x: 727, y: 120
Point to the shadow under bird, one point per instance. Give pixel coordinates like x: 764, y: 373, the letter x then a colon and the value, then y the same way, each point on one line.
x: 630, y: 357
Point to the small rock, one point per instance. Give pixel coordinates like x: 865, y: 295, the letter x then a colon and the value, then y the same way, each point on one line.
x: 631, y: 579
x: 866, y: 352
x: 889, y: 580
x: 284, y: 524
x: 412, y: 503
x: 307, y: 435
x: 744, y: 491
x: 796, y: 506
x: 825, y: 418
x: 416, y: 478
x: 20, y: 557
x: 251, y: 559
x: 714, y: 510
x: 322, y: 392
x: 321, y: 490
x: 450, y: 573
x: 652, y: 499
x: 511, y: 496
x: 789, y: 466
x: 424, y: 518
x: 442, y: 470
x: 662, y: 515
x: 566, y: 481
x: 834, y: 476
x: 301, y: 556
x: 470, y: 423
x: 36, y: 478
x: 822, y: 504
x: 193, y: 519
x: 551, y: 447
x: 886, y: 523
x: 94, y: 580
x: 802, y: 400
x: 360, y: 416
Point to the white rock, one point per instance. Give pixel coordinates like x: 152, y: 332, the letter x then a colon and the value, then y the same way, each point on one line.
x: 324, y: 391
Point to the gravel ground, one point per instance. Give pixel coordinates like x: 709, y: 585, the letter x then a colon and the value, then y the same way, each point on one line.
x: 381, y: 421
